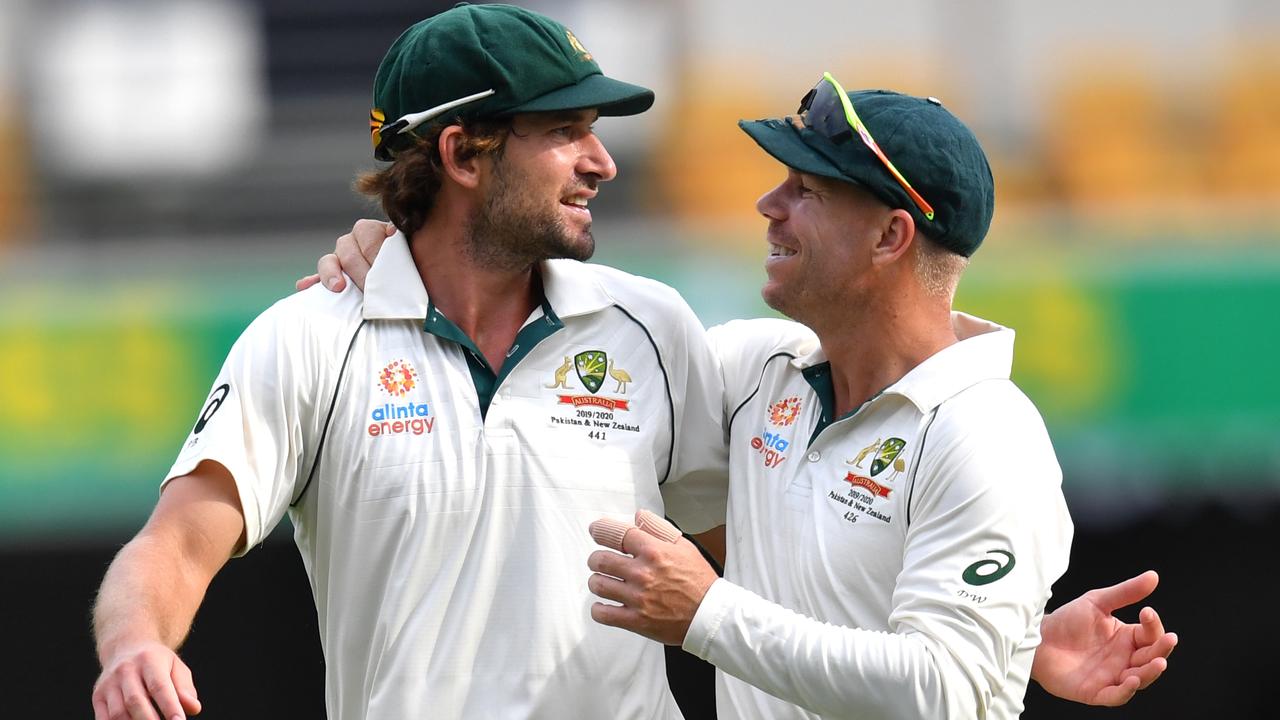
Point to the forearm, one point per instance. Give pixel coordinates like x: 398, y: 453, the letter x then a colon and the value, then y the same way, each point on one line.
x: 150, y: 594
x: 830, y: 670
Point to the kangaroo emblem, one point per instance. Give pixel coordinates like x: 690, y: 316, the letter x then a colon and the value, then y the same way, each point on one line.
x: 862, y: 454
x: 562, y: 375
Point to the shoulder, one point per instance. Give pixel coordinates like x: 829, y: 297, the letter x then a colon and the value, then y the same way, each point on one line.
x: 754, y: 341
x: 314, y: 316
x: 655, y: 306
x: 634, y: 291
x: 994, y: 408
x: 994, y: 426
x: 745, y: 348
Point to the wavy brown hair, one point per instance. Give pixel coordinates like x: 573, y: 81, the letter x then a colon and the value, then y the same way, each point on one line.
x: 407, y: 188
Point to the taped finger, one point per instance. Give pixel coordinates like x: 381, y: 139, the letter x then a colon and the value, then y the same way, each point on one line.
x: 609, y: 532
x: 657, y: 526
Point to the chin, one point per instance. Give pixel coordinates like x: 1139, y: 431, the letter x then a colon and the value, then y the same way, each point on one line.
x: 774, y: 298
x: 786, y: 304
x: 581, y: 249
x: 586, y: 245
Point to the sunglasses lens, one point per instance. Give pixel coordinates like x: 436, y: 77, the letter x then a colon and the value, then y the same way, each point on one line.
x: 806, y: 100
x: 825, y: 113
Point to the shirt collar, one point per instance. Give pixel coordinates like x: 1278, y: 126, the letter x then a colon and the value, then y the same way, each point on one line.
x: 984, y: 352
x: 573, y: 288
x: 394, y: 289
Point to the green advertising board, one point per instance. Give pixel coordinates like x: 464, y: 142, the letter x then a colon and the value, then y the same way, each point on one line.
x: 1154, y: 377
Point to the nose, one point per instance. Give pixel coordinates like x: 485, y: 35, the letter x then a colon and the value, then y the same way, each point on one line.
x: 770, y: 204
x: 595, y: 160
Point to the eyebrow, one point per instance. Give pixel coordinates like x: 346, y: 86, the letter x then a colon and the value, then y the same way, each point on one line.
x: 814, y: 181
x: 584, y: 115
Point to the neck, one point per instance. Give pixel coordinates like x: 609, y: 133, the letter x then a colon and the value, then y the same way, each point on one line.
x: 487, y: 304
x: 881, y: 341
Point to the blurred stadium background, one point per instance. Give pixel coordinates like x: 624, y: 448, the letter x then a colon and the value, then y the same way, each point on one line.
x: 169, y: 167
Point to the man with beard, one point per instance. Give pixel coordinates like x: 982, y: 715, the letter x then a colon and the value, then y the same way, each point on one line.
x: 441, y: 440
x: 933, y: 615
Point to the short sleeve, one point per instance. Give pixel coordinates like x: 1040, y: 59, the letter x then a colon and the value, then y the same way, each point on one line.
x: 260, y: 418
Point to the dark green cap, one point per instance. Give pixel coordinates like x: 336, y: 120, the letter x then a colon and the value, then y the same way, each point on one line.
x: 531, y: 63
x: 933, y: 150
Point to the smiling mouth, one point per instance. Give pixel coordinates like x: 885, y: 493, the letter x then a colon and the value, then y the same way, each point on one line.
x: 780, y: 251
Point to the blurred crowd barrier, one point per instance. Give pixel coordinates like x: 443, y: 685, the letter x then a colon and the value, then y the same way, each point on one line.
x: 1153, y: 372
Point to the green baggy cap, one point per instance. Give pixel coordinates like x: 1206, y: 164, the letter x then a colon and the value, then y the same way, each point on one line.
x: 933, y: 150
x: 530, y: 62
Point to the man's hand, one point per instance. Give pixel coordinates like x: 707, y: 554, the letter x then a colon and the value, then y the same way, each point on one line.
x: 141, y: 678
x: 152, y: 590
x: 659, y: 581
x: 1089, y: 656
x: 353, y: 254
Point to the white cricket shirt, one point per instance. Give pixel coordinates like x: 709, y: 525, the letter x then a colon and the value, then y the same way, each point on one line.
x: 893, y: 563
x: 447, y: 550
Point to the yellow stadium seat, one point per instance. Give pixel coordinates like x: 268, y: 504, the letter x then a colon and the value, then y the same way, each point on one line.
x: 1244, y: 143
x: 1111, y: 139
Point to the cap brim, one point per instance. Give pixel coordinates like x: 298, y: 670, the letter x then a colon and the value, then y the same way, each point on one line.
x: 611, y: 97
x: 784, y: 142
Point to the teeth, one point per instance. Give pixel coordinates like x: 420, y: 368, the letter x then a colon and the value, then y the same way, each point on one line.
x: 580, y: 202
x: 779, y: 251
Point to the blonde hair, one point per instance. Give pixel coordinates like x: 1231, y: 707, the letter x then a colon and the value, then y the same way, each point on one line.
x: 938, y: 268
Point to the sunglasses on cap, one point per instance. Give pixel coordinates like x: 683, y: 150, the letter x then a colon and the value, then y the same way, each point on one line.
x: 388, y: 138
x: 826, y: 110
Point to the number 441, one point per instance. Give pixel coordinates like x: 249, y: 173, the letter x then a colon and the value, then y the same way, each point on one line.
x: 596, y: 434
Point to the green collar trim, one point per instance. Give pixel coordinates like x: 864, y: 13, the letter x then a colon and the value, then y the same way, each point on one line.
x: 482, y: 374
x: 819, y: 378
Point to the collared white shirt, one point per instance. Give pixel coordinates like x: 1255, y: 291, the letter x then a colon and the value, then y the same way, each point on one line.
x: 447, y: 547
x: 893, y: 563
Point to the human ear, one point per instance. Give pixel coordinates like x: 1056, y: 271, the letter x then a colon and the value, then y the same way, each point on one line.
x: 461, y: 167
x: 897, y: 234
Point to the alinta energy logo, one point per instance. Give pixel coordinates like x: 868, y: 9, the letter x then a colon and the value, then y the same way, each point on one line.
x: 398, y: 379
x: 784, y: 412
x: 771, y: 445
